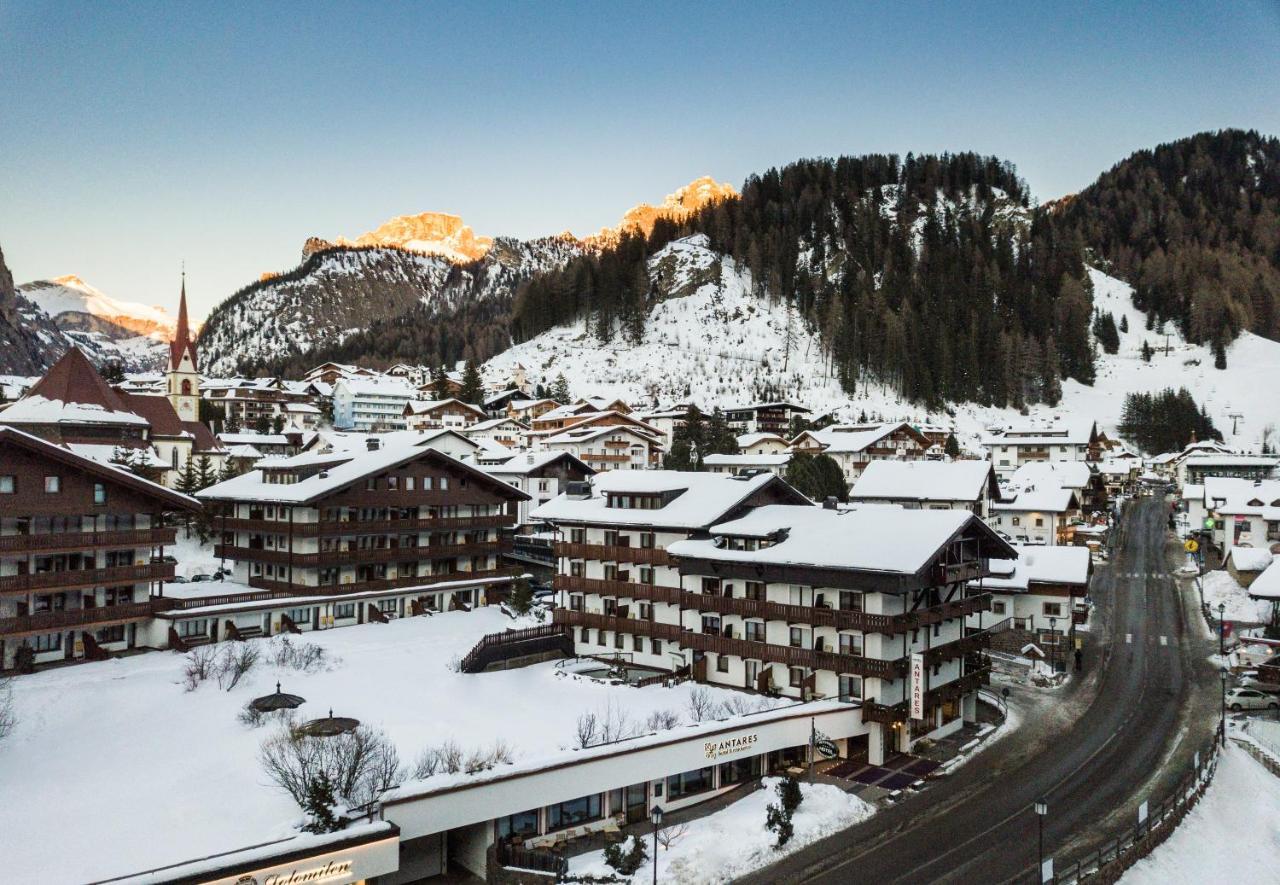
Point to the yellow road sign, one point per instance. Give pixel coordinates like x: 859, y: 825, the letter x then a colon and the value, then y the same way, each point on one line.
x: 1191, y: 546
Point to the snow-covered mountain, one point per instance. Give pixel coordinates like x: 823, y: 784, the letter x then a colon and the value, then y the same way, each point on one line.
x: 430, y: 233
x: 709, y: 340
x: 74, y: 304
x: 676, y: 206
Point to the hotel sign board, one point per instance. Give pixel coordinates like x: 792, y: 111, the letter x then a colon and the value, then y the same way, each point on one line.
x: 341, y: 867
x: 917, y: 686
x: 730, y: 746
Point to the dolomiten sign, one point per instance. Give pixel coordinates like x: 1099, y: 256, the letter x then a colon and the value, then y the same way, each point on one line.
x: 917, y: 686
x: 729, y: 746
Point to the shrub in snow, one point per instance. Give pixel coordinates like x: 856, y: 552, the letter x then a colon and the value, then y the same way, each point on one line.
x: 454, y: 665
x: 257, y: 718
x: 301, y: 656
x: 236, y: 660
x: 613, y: 724
x: 448, y: 758
x: 200, y: 665
x: 359, y: 765
x: 521, y: 599
x: 319, y: 807
x: 741, y: 705
x: 661, y: 720
x: 8, y: 718
x: 701, y: 706
x: 778, y: 817
x: 626, y: 857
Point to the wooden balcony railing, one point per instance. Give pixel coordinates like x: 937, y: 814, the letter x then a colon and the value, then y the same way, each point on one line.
x: 795, y: 657
x: 370, y: 527
x: 284, y: 588
x: 73, y: 619
x: 957, y: 648
x: 840, y: 619
x: 347, y: 557
x: 621, y: 589
x: 606, y: 457
x: 79, y: 578
x: 85, y: 540
x: 889, y: 713
x: 614, y: 553
x: 634, y: 626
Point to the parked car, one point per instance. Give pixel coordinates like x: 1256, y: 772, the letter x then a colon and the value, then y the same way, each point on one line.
x: 1250, y: 679
x: 1250, y: 699
x: 176, y: 579
x: 196, y: 579
x: 166, y: 558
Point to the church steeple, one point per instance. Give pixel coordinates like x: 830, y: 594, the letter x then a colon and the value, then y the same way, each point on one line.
x: 183, y: 375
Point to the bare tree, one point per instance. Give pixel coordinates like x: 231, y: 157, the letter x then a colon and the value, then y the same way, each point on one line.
x: 236, y: 660
x: 661, y: 720
x: 701, y: 705
x: 741, y: 705
x: 199, y: 666
x: 359, y: 765
x: 669, y: 835
x: 8, y: 715
x: 587, y: 728
x: 448, y: 758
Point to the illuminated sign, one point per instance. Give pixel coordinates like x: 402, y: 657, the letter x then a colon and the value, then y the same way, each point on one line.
x: 917, y: 686
x: 340, y: 867
x: 729, y: 746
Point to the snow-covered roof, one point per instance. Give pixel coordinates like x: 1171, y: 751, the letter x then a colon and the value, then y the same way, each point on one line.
x: 1209, y: 461
x: 144, y: 456
x: 747, y: 460
x: 244, y: 452
x: 1250, y: 559
x: 1243, y: 497
x: 522, y: 463
x: 1067, y: 474
x: 419, y: 407
x: 578, y: 434
x: 493, y: 424
x: 1267, y: 584
x: 875, y: 539
x: 701, y: 499
x: 1038, y: 499
x: 1074, y: 431
x: 340, y: 469
x: 747, y: 440
x: 854, y: 438
x: 923, y: 480
x: 1039, y: 565
x: 254, y: 439
x: 362, y: 385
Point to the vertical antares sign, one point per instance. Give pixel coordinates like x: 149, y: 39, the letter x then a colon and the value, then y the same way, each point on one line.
x: 917, y: 686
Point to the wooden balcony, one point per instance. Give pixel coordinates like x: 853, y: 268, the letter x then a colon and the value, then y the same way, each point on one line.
x: 620, y: 589
x: 634, y: 626
x: 81, y: 578
x: 371, y: 527
x: 613, y: 553
x: 75, y: 619
x: 23, y: 544
x: 890, y: 713
x: 819, y: 616
x: 795, y: 657
x: 963, y: 571
x: 949, y: 651
x: 606, y: 457
x: 284, y: 588
x: 357, y: 557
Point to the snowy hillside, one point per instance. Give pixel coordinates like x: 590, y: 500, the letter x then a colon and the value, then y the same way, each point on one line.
x: 710, y: 341
x: 61, y: 296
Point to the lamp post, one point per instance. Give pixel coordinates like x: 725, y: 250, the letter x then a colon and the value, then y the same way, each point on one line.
x: 657, y: 822
x: 1222, y: 725
x: 1222, y: 632
x: 1042, y: 808
x: 1053, y: 649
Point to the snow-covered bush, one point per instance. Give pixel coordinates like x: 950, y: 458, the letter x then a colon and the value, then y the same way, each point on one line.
x: 662, y: 720
x: 701, y: 704
x: 448, y: 758
x: 199, y: 665
x: 626, y: 857
x: 359, y: 765
x: 235, y: 661
x: 8, y: 716
x: 304, y: 657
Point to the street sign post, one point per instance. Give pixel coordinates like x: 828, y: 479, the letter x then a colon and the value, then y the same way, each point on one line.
x: 1191, y: 546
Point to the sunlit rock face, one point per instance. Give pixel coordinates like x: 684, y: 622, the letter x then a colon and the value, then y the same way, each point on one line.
x: 431, y: 233
x: 676, y: 206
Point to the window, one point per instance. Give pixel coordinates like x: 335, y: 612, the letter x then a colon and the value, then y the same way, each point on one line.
x: 1039, y: 522
x: 797, y: 677
x: 754, y: 590
x: 690, y: 783
x: 574, y: 812
x: 1053, y: 609
x: 997, y: 608
x: 198, y: 627
x: 344, y: 610
x: 52, y: 485
x: 739, y: 770
x: 637, y: 643
x: 578, y: 536
x: 799, y: 637
x: 393, y: 483
x: 646, y: 540
x: 408, y: 483
x: 1017, y: 520
x: 851, y: 600
x: 8, y: 485
x: 47, y: 642
x: 850, y: 687
x: 755, y: 631
x: 111, y: 634
x: 444, y: 483
x: 299, y: 615
x: 722, y: 663
x: 617, y: 640
x: 99, y: 493
x: 518, y: 825
x: 575, y: 602
x: 711, y: 625
x: 851, y: 644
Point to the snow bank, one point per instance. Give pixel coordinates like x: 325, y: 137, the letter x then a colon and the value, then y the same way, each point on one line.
x: 733, y: 841
x: 1220, y: 587
x: 1231, y: 836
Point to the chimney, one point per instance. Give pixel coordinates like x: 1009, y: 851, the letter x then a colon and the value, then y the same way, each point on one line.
x: 373, y: 443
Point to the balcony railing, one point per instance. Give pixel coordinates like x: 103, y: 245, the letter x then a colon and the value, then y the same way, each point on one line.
x: 634, y: 626
x: 622, y: 589
x: 614, y: 553
x: 86, y: 540
x: 93, y: 577
x: 841, y: 619
x: 72, y: 619
x: 341, y: 557
x: 370, y: 527
x: 811, y: 658
x: 606, y: 457
x: 284, y: 588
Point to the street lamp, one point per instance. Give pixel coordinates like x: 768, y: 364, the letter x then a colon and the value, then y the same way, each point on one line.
x: 1222, y: 631
x: 1042, y: 808
x: 657, y: 822
x: 1223, y: 722
x: 1053, y: 649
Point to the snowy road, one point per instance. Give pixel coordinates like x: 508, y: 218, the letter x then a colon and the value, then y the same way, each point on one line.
x: 1142, y: 704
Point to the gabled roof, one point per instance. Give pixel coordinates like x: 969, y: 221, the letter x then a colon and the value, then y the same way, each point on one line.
x: 580, y: 433
x: 93, y: 467
x: 1078, y: 431
x: 422, y: 407
x: 71, y: 392
x: 525, y: 463
x: 926, y: 481
x: 164, y: 421
x: 491, y: 423
x: 865, y: 539
x: 1267, y: 584
x: 855, y: 438
x: 1039, y: 565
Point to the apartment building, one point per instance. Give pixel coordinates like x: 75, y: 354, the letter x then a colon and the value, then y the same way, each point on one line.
x: 1042, y: 594
x: 763, y: 417
x: 365, y: 403
x: 607, y: 447
x: 854, y: 446
x: 81, y: 547
x: 929, y: 485
x: 618, y: 587
x: 820, y: 602
x: 395, y: 519
x: 1011, y: 447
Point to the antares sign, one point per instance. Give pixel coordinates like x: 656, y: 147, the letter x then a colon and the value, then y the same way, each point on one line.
x: 917, y: 686
x: 729, y: 746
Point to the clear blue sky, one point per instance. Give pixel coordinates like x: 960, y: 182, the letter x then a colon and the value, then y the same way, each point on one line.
x: 135, y: 136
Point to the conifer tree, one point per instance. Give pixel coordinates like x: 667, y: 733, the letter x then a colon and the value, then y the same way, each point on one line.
x: 318, y: 806
x: 440, y: 384
x: 188, y: 481
x: 560, y: 390
x: 952, y: 448
x: 472, y: 388
x: 205, y: 474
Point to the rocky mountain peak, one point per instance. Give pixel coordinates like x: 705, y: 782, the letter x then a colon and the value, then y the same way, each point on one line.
x: 678, y: 205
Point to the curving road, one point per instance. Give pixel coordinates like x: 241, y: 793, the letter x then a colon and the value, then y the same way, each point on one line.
x: 1146, y: 700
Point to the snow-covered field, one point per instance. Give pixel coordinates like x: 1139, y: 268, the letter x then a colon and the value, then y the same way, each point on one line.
x: 718, y: 344
x: 156, y: 775
x: 1231, y: 836
x: 733, y: 841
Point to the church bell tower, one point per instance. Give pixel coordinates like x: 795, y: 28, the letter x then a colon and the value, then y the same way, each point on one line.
x: 183, y: 376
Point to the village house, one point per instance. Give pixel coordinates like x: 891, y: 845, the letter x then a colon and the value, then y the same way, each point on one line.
x: 1043, y: 595
x: 747, y: 463
x: 1037, y: 514
x: 506, y: 432
x: 437, y: 414
x: 540, y: 475
x: 929, y: 485
x: 607, y: 446
x: 854, y: 446
x: 1011, y: 447
x: 1244, y: 513
x: 763, y: 417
